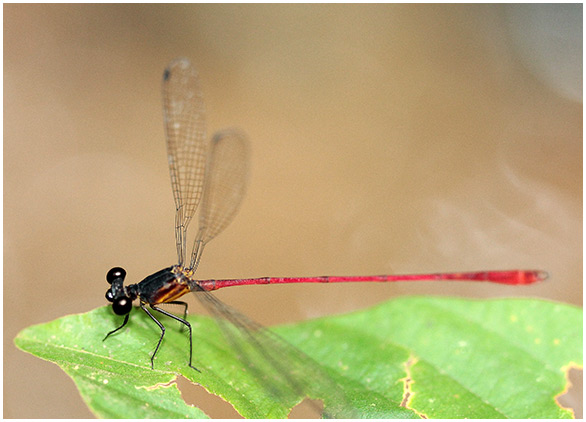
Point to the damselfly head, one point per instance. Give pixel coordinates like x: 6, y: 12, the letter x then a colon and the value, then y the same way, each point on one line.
x: 121, y: 303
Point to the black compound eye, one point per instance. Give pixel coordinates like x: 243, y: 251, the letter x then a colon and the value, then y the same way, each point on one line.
x: 122, y: 305
x: 109, y: 296
x: 114, y: 274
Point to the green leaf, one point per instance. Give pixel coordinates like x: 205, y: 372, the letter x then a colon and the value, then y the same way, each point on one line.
x: 410, y: 357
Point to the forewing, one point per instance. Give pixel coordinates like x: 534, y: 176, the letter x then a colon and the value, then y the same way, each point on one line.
x: 184, y: 116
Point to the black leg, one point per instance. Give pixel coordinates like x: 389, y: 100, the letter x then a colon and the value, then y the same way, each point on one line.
x: 113, y: 331
x: 181, y: 303
x: 183, y: 321
x: 162, y: 333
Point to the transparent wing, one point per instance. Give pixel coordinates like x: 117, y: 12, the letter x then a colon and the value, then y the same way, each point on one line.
x: 184, y: 115
x: 286, y: 372
x: 225, y: 185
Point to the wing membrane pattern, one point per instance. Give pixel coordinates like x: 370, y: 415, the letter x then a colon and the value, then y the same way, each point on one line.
x: 184, y: 117
x: 225, y: 186
x: 286, y: 372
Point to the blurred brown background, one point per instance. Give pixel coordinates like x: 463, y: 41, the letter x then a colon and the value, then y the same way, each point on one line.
x: 385, y: 138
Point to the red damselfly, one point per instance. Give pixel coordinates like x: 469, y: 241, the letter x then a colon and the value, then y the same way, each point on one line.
x: 217, y: 174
